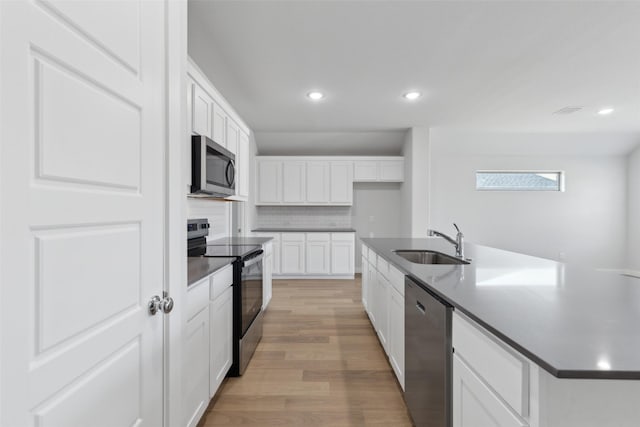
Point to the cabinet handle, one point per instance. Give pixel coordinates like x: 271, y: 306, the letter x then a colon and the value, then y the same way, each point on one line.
x: 420, y: 307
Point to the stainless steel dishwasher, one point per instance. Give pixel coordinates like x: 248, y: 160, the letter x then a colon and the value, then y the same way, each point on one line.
x: 428, y: 357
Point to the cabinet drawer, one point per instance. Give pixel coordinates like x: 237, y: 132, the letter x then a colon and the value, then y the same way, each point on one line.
x: 197, y: 298
x: 318, y: 237
x: 396, y: 277
x: 383, y: 266
x: 293, y: 237
x: 494, y: 362
x: 221, y: 280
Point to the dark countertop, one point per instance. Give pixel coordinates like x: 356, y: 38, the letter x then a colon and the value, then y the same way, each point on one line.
x: 200, y: 267
x: 574, y: 322
x: 304, y: 230
x: 235, y: 241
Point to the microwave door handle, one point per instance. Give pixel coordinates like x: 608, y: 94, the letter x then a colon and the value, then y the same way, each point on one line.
x: 230, y: 171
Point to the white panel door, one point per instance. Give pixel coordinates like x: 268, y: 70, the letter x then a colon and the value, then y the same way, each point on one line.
x: 341, y: 189
x: 81, y: 192
x: 221, y: 350
x: 317, y: 182
x: 293, y: 182
x: 269, y: 182
x: 475, y: 404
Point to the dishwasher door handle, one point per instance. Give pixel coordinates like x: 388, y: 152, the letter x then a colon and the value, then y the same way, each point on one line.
x: 420, y: 307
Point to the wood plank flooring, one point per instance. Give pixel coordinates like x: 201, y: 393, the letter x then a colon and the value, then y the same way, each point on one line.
x: 319, y: 364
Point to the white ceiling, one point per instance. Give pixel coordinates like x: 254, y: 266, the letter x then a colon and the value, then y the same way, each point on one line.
x: 497, y: 66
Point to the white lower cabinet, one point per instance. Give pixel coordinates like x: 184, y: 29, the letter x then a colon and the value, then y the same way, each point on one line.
x: 318, y: 253
x: 208, y: 351
x: 292, y: 258
x: 475, y: 404
x: 196, y: 354
x: 383, y: 298
x: 396, y: 334
x: 313, y: 254
x: 221, y: 344
x: 267, y: 274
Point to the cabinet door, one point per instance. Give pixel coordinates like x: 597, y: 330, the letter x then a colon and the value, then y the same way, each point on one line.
x: 382, y: 311
x: 396, y: 334
x: 317, y: 182
x: 221, y: 343
x: 276, y: 263
x: 365, y: 282
x: 292, y: 250
x: 242, y: 166
x: 196, y: 368
x: 391, y: 170
x: 219, y: 125
x: 371, y: 296
x: 269, y: 182
x: 233, y: 134
x: 365, y: 170
x: 267, y: 278
x: 318, y: 251
x: 342, y: 253
x: 474, y: 404
x: 201, y: 112
x: 341, y: 189
x: 293, y: 180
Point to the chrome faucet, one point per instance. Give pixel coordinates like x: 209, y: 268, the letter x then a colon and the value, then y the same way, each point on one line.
x: 458, y: 242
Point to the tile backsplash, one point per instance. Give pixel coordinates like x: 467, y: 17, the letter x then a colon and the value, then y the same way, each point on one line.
x: 304, y: 216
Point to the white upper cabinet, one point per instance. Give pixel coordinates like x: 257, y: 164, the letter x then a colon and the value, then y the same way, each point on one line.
x: 210, y: 115
x: 341, y: 190
x: 269, y: 182
x: 242, y: 166
x: 365, y: 171
x: 384, y: 169
x: 219, y: 124
x: 318, y: 182
x: 233, y: 134
x: 293, y: 180
x: 201, y: 115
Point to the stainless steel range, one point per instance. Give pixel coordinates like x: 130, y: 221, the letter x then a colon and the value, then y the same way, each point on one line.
x: 247, y: 289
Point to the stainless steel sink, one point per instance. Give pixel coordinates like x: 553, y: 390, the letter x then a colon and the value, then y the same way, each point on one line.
x: 418, y: 256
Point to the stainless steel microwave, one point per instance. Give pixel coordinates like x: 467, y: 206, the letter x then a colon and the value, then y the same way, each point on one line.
x: 212, y: 168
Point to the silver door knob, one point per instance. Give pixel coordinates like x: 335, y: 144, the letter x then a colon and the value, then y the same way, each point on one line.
x: 166, y: 304
x: 154, y: 304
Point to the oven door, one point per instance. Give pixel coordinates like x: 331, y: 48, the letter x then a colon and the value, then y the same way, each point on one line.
x: 250, y: 289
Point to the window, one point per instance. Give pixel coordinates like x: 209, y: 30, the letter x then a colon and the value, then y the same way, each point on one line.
x: 519, y: 181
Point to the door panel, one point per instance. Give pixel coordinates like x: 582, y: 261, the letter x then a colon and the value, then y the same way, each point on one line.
x: 82, y: 99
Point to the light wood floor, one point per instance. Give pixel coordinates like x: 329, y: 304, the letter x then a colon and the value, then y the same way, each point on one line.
x: 319, y: 364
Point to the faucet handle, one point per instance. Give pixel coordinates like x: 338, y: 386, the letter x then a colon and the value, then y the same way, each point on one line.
x: 457, y: 228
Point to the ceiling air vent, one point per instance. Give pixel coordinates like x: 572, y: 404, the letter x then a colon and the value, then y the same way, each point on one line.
x: 568, y: 110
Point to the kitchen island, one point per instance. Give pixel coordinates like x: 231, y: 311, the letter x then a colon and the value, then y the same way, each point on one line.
x: 578, y: 325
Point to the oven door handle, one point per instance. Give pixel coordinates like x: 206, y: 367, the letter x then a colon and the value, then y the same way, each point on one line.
x: 254, y: 260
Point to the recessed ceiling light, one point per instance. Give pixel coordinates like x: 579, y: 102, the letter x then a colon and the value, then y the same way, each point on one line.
x: 315, y: 95
x: 411, y: 96
x: 605, y: 111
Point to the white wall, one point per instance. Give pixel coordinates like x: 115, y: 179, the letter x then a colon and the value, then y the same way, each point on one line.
x: 414, y: 192
x: 375, y: 212
x: 633, y: 215
x: 585, y: 224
